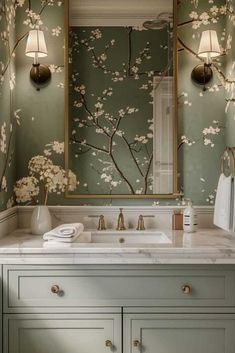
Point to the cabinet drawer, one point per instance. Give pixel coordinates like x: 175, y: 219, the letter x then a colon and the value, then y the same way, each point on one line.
x: 60, y: 333
x: 179, y: 333
x: 70, y: 287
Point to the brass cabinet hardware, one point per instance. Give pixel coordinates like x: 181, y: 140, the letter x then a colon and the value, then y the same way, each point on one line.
x: 186, y: 289
x: 55, y: 289
x: 108, y: 343
x: 136, y: 343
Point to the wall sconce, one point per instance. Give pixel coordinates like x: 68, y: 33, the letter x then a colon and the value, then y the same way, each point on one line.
x: 208, y: 49
x: 36, y: 48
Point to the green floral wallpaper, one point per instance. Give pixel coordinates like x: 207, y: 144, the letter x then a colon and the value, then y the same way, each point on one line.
x: 32, y: 122
x: 8, y: 116
x: 111, y: 130
x: 230, y: 86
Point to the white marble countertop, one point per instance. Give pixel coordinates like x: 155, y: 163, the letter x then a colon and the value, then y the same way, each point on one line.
x: 206, y: 246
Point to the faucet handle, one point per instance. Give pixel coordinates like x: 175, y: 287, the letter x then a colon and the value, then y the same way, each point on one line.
x: 140, y: 225
x: 101, y: 223
x: 120, y: 222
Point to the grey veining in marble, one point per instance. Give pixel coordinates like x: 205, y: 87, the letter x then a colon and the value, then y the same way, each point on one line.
x: 211, y: 246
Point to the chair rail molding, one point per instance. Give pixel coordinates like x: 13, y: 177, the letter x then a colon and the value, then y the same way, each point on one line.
x: 8, y: 221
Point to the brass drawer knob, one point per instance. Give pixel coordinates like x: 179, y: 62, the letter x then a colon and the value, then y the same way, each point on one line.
x: 186, y: 289
x: 55, y: 289
x: 136, y: 343
x: 109, y: 344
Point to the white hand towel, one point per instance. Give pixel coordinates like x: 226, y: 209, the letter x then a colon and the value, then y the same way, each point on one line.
x: 233, y: 205
x: 64, y: 233
x: 222, y: 211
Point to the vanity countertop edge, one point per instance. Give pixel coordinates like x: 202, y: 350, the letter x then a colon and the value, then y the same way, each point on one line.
x: 206, y: 246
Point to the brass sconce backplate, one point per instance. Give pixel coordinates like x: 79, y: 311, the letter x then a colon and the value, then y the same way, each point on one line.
x: 40, y: 74
x: 202, y: 74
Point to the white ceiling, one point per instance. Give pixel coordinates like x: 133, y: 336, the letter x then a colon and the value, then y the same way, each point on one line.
x: 116, y: 12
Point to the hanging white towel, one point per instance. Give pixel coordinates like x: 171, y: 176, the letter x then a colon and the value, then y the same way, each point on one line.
x: 233, y: 205
x: 223, y: 203
x: 64, y: 233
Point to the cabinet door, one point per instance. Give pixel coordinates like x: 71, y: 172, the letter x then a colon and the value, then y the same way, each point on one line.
x: 63, y: 334
x: 154, y: 333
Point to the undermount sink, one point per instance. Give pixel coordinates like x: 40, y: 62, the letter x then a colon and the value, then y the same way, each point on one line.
x: 130, y: 237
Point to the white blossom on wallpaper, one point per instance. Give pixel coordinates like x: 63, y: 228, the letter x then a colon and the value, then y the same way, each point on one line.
x: 216, y: 11
x: 9, y: 114
x: 111, y: 133
x: 204, y: 15
x: 92, y: 108
x: 200, y: 141
x: 8, y: 117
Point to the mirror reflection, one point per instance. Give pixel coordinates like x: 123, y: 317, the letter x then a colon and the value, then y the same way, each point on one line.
x: 121, y: 114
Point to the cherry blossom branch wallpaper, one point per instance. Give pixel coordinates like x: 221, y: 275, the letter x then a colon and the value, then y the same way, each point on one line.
x: 8, y: 117
x: 32, y: 122
x: 111, y: 101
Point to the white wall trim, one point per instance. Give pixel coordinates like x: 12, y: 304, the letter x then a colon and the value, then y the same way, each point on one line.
x: 19, y: 216
x: 162, y: 219
x: 111, y: 209
x: 8, y: 221
x: 116, y: 13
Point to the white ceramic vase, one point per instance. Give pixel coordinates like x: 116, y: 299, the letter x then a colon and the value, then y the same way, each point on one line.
x: 40, y: 220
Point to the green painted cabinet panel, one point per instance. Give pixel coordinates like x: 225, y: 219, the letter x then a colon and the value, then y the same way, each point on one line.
x: 62, y: 334
x: 1, y: 314
x: 82, y: 318
x: 152, y: 333
x: 28, y: 288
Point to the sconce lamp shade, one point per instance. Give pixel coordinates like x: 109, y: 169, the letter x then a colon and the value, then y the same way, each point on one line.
x: 36, y: 48
x: 36, y: 44
x: 208, y: 49
x: 209, y: 45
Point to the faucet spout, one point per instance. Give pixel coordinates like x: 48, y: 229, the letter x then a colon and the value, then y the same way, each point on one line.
x: 120, y: 222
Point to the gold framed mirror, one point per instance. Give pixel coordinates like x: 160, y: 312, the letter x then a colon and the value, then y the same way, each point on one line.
x: 121, y: 98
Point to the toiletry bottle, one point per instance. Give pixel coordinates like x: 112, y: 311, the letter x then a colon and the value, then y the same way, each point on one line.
x: 177, y: 220
x: 190, y: 218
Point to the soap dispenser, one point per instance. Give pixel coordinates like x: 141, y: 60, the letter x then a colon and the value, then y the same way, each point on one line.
x: 190, y: 218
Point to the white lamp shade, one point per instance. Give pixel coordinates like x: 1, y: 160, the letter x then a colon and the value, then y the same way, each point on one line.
x: 209, y: 45
x: 36, y: 44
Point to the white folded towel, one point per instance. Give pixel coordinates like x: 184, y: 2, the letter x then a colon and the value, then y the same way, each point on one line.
x: 67, y: 230
x: 66, y: 233
x: 223, y: 212
x: 52, y: 244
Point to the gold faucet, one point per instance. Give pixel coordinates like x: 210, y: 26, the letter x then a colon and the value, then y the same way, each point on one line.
x: 101, y: 224
x: 140, y: 225
x: 120, y: 222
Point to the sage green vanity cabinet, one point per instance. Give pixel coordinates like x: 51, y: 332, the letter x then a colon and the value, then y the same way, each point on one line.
x: 30, y: 288
x: 179, y: 333
x: 118, y: 308
x: 84, y: 333
x: 1, y: 316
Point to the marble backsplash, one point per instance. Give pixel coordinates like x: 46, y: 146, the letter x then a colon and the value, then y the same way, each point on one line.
x: 162, y: 216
